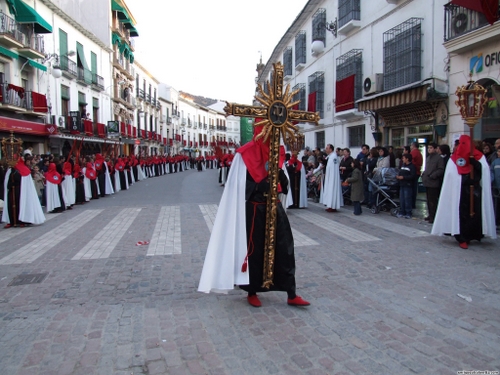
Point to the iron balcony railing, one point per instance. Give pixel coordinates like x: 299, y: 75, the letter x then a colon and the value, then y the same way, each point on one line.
x: 35, y: 42
x: 8, y: 26
x: 98, y: 81
x: 84, y: 75
x: 12, y: 95
x: 68, y: 66
x: 140, y: 94
x: 459, y: 21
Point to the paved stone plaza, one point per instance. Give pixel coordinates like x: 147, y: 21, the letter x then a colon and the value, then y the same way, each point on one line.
x: 387, y: 298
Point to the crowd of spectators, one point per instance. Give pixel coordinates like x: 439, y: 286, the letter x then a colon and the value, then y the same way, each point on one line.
x: 431, y: 177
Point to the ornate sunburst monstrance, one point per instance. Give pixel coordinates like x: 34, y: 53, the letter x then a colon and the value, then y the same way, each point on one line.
x: 278, y: 117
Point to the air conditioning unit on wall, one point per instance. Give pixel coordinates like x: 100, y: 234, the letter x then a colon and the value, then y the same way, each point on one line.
x: 59, y: 121
x: 373, y: 84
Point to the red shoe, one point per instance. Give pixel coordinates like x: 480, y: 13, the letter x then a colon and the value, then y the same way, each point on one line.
x: 22, y: 226
x: 331, y: 210
x: 7, y: 226
x: 254, y: 301
x: 463, y: 245
x: 297, y: 301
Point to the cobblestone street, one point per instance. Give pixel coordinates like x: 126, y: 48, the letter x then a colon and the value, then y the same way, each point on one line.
x: 386, y: 297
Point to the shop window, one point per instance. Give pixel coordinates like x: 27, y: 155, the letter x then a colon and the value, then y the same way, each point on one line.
x: 356, y: 136
x: 488, y: 128
x: 398, y: 138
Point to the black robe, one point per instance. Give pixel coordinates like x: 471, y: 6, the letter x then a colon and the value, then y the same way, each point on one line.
x: 101, y: 181
x: 284, y: 261
x: 294, y: 184
x: 471, y: 228
x: 13, y: 197
x: 79, y: 190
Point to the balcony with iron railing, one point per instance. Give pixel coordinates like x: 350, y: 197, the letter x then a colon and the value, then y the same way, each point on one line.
x: 97, y: 81
x: 10, y: 34
x: 68, y: 67
x: 84, y: 76
x: 148, y: 98
x: 17, y: 98
x: 12, y: 95
x: 459, y: 21
x: 34, y: 46
x: 140, y: 94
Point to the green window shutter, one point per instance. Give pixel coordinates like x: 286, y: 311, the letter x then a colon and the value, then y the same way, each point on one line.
x: 93, y: 62
x: 95, y: 102
x: 82, y: 100
x: 65, y: 92
x: 63, y: 43
x: 81, y: 55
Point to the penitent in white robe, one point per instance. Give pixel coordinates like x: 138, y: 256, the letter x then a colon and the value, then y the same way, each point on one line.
x: 331, y: 192
x: 447, y: 219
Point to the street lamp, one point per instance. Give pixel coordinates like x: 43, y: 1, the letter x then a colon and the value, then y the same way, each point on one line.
x: 471, y: 101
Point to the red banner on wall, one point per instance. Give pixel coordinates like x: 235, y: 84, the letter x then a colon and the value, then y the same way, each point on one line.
x: 344, y: 90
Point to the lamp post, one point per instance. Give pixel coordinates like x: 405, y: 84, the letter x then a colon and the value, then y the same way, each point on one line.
x: 471, y: 100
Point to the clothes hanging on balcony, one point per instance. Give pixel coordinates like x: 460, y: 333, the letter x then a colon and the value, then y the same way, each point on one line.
x: 39, y: 102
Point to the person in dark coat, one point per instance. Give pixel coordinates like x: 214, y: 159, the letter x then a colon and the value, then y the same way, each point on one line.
x: 432, y: 179
x: 357, y: 186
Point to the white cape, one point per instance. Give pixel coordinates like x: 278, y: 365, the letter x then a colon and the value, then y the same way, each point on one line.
x: 227, y: 247
x: 447, y: 214
x: 69, y: 190
x: 117, y: 182
x: 331, y: 192
x: 303, y: 188
x: 86, y: 186
x: 30, y: 210
x: 108, y: 186
x: 52, y: 196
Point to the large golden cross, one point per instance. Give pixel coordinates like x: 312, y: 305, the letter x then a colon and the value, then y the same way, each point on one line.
x: 278, y: 117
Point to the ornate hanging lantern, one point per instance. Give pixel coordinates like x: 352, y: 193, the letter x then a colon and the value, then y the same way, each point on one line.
x: 12, y: 149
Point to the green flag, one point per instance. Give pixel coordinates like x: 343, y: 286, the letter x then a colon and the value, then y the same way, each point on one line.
x: 246, y: 130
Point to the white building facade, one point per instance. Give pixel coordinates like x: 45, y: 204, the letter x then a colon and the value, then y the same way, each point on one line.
x: 373, y: 69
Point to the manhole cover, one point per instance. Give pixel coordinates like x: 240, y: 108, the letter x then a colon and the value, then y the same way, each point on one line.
x: 33, y: 278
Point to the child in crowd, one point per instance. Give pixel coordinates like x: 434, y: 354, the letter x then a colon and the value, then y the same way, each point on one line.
x: 406, y: 177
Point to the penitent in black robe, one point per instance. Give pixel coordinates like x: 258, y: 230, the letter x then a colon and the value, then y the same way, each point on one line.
x: 471, y: 228
x: 284, y: 261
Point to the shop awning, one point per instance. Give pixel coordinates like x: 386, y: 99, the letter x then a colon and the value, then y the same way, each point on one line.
x: 35, y: 64
x: 393, y: 98
x: 26, y: 14
x: 7, y: 52
x: 404, y: 106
